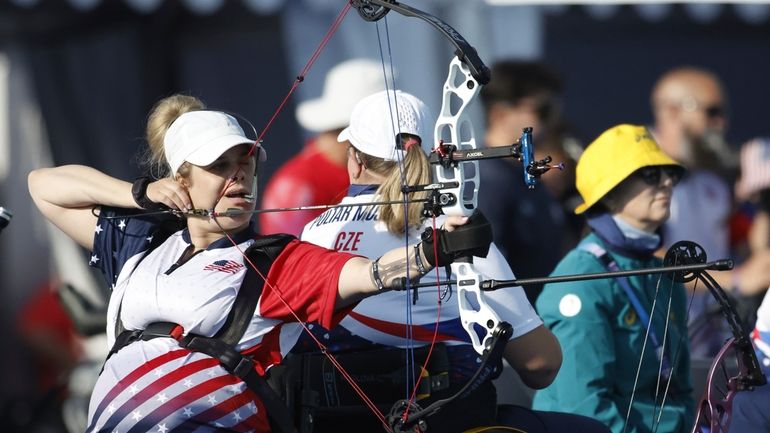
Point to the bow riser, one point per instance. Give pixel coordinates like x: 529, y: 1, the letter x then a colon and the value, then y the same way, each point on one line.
x: 474, y: 310
x: 454, y: 129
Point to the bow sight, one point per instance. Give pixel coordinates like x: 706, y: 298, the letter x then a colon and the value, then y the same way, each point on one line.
x: 449, y: 157
x: 522, y: 150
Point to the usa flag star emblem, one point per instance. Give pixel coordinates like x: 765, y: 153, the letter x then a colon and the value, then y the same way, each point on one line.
x: 229, y: 266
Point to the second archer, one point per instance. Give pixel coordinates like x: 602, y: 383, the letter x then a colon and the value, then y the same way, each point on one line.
x: 390, y: 133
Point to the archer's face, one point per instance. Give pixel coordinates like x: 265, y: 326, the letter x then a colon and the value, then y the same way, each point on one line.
x: 225, y: 184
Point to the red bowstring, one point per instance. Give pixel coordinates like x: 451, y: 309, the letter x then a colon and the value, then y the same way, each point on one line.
x: 300, y: 78
x: 423, y: 369
x: 295, y: 84
x: 367, y: 401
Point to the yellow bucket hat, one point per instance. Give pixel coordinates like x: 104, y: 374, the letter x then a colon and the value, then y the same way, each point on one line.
x: 611, y: 158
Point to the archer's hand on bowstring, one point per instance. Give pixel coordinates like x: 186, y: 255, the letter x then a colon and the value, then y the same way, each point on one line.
x: 171, y: 193
x: 458, y: 237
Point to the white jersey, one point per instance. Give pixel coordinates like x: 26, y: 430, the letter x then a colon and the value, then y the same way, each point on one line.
x: 156, y: 385
x: 761, y: 334
x: 383, y: 318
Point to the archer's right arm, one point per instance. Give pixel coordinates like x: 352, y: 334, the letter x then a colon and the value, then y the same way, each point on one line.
x: 66, y: 196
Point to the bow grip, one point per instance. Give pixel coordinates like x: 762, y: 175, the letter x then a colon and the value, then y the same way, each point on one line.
x: 441, y: 247
x: 472, y: 238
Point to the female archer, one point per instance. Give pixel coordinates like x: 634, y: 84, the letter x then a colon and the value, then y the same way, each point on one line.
x: 202, y: 306
x: 626, y: 354
x: 377, y: 333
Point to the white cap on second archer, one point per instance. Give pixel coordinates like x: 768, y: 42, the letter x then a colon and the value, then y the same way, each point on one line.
x: 373, y: 129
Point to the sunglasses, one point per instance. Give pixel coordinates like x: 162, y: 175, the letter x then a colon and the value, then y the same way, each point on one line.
x: 716, y: 109
x: 713, y: 111
x: 652, y: 175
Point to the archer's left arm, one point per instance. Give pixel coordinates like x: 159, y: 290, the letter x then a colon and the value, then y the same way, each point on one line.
x: 361, y: 277
x: 533, y: 351
x: 536, y: 356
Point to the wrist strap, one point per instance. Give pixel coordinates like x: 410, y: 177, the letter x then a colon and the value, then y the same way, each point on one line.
x: 432, y: 241
x: 418, y: 259
x: 139, y: 192
x: 376, y: 275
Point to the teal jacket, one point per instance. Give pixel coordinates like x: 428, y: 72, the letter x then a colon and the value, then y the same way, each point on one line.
x: 601, y: 337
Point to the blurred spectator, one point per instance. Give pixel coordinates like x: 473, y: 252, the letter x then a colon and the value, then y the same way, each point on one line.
x: 750, y: 224
x: 751, y: 409
x: 529, y: 225
x: 626, y: 182
x: 49, y: 336
x: 753, y: 189
x: 689, y: 106
x: 318, y: 175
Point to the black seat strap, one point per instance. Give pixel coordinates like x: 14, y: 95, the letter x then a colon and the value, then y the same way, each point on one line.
x: 261, y: 253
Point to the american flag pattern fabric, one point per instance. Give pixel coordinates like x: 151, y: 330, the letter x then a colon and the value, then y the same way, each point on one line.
x: 755, y: 168
x: 761, y: 340
x: 761, y: 334
x: 229, y: 266
x: 155, y: 386
x: 172, y: 390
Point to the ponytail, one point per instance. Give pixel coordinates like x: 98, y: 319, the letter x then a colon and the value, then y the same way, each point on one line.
x: 161, y: 117
x: 416, y: 172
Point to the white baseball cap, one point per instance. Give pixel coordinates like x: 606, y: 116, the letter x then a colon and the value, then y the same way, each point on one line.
x: 373, y: 129
x: 345, y: 85
x: 200, y: 137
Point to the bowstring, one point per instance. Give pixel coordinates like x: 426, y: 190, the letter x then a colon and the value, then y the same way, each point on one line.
x: 274, y: 288
x: 662, y: 357
x: 367, y: 401
x: 309, y: 64
x: 644, y: 348
x: 677, y: 352
x: 411, y: 363
x: 395, y: 126
x: 676, y: 357
x: 660, y: 366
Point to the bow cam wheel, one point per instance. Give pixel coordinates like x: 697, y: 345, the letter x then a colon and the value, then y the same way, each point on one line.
x: 684, y: 253
x: 369, y: 11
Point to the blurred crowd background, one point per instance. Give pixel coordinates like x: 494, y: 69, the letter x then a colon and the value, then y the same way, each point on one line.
x: 77, y: 78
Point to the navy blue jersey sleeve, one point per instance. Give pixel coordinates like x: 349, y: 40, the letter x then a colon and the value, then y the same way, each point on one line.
x: 121, y: 234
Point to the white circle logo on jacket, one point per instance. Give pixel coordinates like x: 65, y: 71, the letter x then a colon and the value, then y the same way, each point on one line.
x: 570, y: 305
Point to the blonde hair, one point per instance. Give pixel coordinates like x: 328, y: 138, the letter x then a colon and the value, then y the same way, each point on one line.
x: 161, y: 117
x: 417, y: 172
